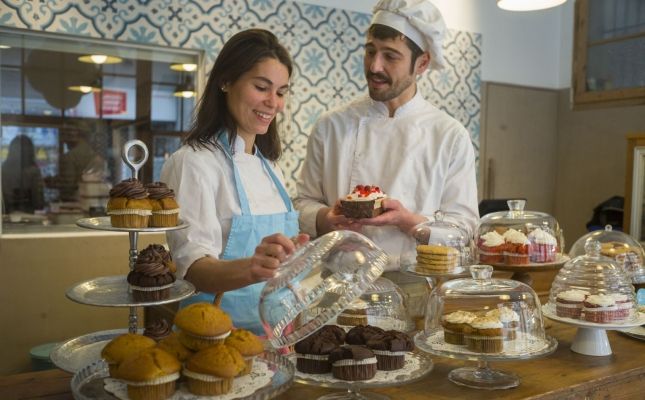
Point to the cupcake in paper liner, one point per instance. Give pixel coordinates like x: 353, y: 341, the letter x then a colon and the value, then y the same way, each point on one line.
x: 211, y: 371
x: 150, y: 374
x: 128, y: 206
x: 150, y: 279
x: 353, y: 363
x: 249, y: 346
x: 165, y: 210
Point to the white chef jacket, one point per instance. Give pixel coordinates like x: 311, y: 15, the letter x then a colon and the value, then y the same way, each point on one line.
x: 205, y: 190
x: 421, y: 157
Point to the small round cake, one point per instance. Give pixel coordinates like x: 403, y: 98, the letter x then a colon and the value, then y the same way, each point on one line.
x: 360, y: 334
x: 353, y: 363
x: 517, y: 245
x: 150, y: 374
x: 202, y: 325
x: 151, y: 279
x: 128, y: 206
x: 390, y: 349
x: 491, y: 247
x: 165, y: 210
x: 568, y: 304
x: 600, y: 308
x: 455, y: 325
x: 486, y: 335
x: 249, y: 346
x: 211, y: 371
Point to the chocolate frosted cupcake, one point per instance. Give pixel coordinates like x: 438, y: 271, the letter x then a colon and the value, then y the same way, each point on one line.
x: 362, y: 333
x: 151, y: 279
x: 165, y: 210
x: 353, y: 363
x: 312, y: 353
x: 334, y: 332
x: 128, y: 206
x: 390, y: 348
x: 158, y: 329
x: 165, y: 255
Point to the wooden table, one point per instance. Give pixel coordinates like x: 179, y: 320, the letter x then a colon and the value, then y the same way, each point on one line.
x: 562, y: 375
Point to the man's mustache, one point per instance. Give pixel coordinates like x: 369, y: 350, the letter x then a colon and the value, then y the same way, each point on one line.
x: 378, y: 76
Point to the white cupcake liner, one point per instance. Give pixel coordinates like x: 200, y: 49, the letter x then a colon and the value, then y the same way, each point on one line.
x: 365, y: 361
x: 151, y: 288
x: 167, y: 212
x: 389, y: 353
x: 158, y: 381
x: 218, y: 337
x: 130, y: 211
x: 317, y: 357
x: 202, y: 377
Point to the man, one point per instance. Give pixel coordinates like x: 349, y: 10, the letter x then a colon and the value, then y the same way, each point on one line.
x: 418, y: 155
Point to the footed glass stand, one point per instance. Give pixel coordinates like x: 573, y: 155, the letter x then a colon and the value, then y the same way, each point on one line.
x: 482, y: 376
x: 417, y: 365
x: 591, y: 338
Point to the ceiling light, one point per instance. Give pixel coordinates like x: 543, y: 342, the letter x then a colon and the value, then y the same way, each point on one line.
x: 183, y: 67
x: 4, y: 46
x: 528, y: 5
x: 186, y: 89
x: 99, y: 59
x: 84, y: 89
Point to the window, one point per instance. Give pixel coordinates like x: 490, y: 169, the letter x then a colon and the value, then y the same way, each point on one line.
x: 68, y: 106
x: 609, y: 52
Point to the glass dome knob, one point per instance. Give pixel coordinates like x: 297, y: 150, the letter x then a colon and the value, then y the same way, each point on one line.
x: 481, y: 273
x: 438, y: 215
x: 516, y: 205
x: 608, y: 228
x: 592, y: 248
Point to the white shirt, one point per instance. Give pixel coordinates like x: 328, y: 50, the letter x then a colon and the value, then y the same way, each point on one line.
x: 205, y: 190
x: 421, y: 157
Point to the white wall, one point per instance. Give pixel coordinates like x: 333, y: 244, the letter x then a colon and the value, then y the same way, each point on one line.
x: 522, y: 48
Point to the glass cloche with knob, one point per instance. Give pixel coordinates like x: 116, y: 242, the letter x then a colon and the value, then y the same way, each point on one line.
x: 593, y: 288
x: 620, y: 247
x: 442, y: 247
x: 518, y: 237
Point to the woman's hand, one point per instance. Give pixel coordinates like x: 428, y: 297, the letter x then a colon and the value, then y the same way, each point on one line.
x: 271, y: 252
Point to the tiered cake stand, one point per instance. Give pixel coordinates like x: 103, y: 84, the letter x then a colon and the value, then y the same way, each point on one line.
x: 417, y: 365
x: 591, y: 338
x: 482, y: 376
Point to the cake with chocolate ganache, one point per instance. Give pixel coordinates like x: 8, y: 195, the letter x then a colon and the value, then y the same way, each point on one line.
x: 165, y: 210
x: 128, y: 206
x: 150, y: 279
x: 390, y: 348
x: 353, y: 363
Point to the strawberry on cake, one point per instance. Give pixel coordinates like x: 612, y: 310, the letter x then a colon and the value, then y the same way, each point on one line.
x: 365, y: 201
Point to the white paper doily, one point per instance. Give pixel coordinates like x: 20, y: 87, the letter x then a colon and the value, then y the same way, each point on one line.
x: 243, y: 386
x: 411, y: 365
x: 524, y: 344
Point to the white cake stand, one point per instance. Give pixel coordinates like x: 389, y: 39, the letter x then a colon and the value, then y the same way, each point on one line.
x: 591, y: 338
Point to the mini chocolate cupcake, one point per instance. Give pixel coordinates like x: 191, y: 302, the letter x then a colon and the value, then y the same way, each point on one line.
x: 312, y: 353
x: 362, y: 333
x: 390, y: 348
x: 353, y: 363
x: 151, y: 279
x: 158, y: 329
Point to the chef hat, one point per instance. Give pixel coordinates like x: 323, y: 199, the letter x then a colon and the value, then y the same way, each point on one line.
x: 419, y: 20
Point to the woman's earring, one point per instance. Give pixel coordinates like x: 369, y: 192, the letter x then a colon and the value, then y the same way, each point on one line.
x: 224, y: 88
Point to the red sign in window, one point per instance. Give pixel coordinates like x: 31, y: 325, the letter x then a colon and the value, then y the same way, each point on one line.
x: 113, y: 102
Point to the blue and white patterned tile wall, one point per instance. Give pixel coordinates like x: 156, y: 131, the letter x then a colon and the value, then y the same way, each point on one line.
x: 326, y: 44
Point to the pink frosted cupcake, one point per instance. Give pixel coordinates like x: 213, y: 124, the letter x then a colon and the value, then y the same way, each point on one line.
x: 491, y: 248
x: 600, y: 308
x: 517, y: 247
x: 543, y: 248
x: 623, y: 305
x: 568, y: 304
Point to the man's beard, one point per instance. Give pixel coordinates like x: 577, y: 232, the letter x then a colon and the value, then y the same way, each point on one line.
x: 392, y: 92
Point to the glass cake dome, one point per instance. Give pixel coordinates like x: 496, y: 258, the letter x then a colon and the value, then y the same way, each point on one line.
x: 620, y: 247
x: 593, y: 288
x: 518, y: 237
x: 480, y: 315
x: 382, y: 305
x: 317, y: 282
x: 441, y: 247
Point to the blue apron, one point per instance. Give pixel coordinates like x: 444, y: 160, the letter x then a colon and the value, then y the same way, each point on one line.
x: 247, y: 231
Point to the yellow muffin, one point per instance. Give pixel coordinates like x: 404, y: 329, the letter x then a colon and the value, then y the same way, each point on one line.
x: 211, y: 370
x: 150, y: 375
x: 123, y: 346
x: 202, y: 325
x: 172, y: 345
x: 247, y: 344
x: 128, y: 206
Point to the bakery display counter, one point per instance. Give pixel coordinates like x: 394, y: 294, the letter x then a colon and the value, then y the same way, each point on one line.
x: 564, y: 374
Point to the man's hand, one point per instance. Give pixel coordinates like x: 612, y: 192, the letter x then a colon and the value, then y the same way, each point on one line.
x: 395, y: 214
x: 330, y: 219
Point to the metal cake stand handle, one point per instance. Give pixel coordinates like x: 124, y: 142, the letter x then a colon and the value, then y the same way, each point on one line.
x: 135, y: 165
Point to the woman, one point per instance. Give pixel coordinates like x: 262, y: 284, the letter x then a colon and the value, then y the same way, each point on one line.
x: 229, y: 188
x: 22, y: 182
